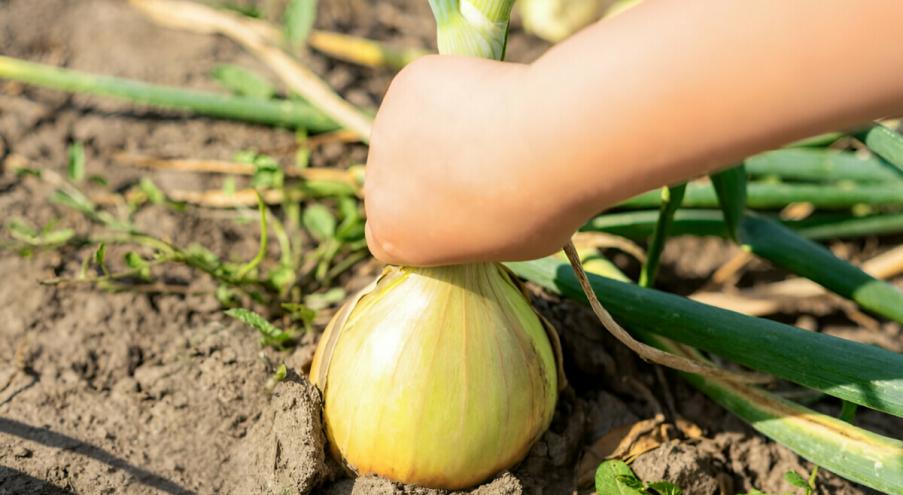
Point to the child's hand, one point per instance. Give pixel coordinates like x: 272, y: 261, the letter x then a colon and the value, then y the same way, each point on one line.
x: 450, y: 176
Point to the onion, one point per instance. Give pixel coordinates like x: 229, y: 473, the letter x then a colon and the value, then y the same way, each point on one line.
x: 439, y: 377
x: 555, y: 20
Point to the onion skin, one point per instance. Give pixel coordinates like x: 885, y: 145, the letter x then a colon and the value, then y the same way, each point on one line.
x: 438, y: 377
x: 555, y: 20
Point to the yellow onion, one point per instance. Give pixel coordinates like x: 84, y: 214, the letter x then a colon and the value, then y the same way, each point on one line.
x: 439, y: 377
x: 555, y: 20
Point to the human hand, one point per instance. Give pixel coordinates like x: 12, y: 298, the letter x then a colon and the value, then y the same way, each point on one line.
x: 451, y: 175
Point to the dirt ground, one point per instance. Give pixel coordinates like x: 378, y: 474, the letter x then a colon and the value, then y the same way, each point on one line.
x: 160, y: 393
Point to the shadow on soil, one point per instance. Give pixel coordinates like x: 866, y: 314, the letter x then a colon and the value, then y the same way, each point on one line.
x: 50, y: 438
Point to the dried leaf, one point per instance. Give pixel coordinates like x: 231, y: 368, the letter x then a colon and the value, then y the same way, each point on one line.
x: 625, y: 442
x: 688, y: 428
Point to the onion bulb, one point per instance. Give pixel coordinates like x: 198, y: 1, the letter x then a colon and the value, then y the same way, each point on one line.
x: 439, y: 377
x: 555, y: 20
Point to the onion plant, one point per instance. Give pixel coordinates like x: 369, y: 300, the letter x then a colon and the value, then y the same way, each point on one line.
x: 858, y: 374
x: 288, y: 113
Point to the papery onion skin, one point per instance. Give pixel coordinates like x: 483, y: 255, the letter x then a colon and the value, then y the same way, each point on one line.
x: 438, y: 377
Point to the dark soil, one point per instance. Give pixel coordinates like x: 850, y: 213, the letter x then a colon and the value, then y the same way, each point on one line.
x: 160, y: 393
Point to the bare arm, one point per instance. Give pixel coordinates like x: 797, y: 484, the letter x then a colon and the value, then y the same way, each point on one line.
x: 674, y: 89
x: 474, y: 160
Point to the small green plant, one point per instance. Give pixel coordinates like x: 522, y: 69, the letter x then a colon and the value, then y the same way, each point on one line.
x: 807, y: 485
x: 270, y: 335
x: 76, y: 166
x: 276, y: 378
x: 28, y: 238
x: 297, y: 285
x: 614, y: 477
x: 243, y: 82
x: 298, y: 21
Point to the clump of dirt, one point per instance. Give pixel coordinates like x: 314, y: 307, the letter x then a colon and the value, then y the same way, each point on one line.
x: 504, y: 484
x: 730, y: 462
x: 758, y: 463
x: 285, y: 450
x: 687, y: 466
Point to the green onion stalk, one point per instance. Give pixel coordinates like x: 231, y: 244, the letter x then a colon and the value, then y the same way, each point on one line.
x: 445, y: 376
x: 287, y: 113
x: 859, y: 373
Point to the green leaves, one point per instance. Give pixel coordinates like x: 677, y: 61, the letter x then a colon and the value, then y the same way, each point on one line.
x: 134, y: 261
x: 335, y: 237
x: 772, y: 196
x: 638, y: 225
x: 151, y: 191
x: 887, y: 144
x: 298, y: 20
x: 821, y: 165
x: 47, y: 236
x: 268, y: 174
x: 76, y: 166
x: 270, y: 335
x: 276, y: 378
x: 615, y: 477
x: 730, y: 187
x: 664, y: 488
x: 262, y: 249
x: 835, y: 366
x: 300, y: 312
x: 319, y: 221
x: 352, y: 227
x: 850, y: 370
x: 781, y: 246
x: 241, y: 81
x: 323, y: 300
x: 100, y: 256
x: 671, y: 199
x: 284, y: 113
x: 797, y: 480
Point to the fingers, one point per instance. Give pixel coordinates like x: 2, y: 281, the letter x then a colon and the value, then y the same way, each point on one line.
x: 377, y: 249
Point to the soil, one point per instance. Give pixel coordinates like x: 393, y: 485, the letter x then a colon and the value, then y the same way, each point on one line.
x: 135, y: 392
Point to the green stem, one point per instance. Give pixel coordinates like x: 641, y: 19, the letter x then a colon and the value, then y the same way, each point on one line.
x: 639, y: 225
x: 774, y: 196
x: 860, y: 373
x: 262, y: 249
x: 730, y: 187
x: 836, y: 366
x: 256, y: 110
x: 818, y: 141
x: 475, y: 28
x: 780, y: 245
x: 848, y: 412
x: 854, y: 453
x: 821, y: 165
x: 887, y: 144
x: 671, y: 199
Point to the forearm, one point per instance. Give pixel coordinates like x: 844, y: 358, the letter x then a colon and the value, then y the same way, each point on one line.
x: 674, y: 89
